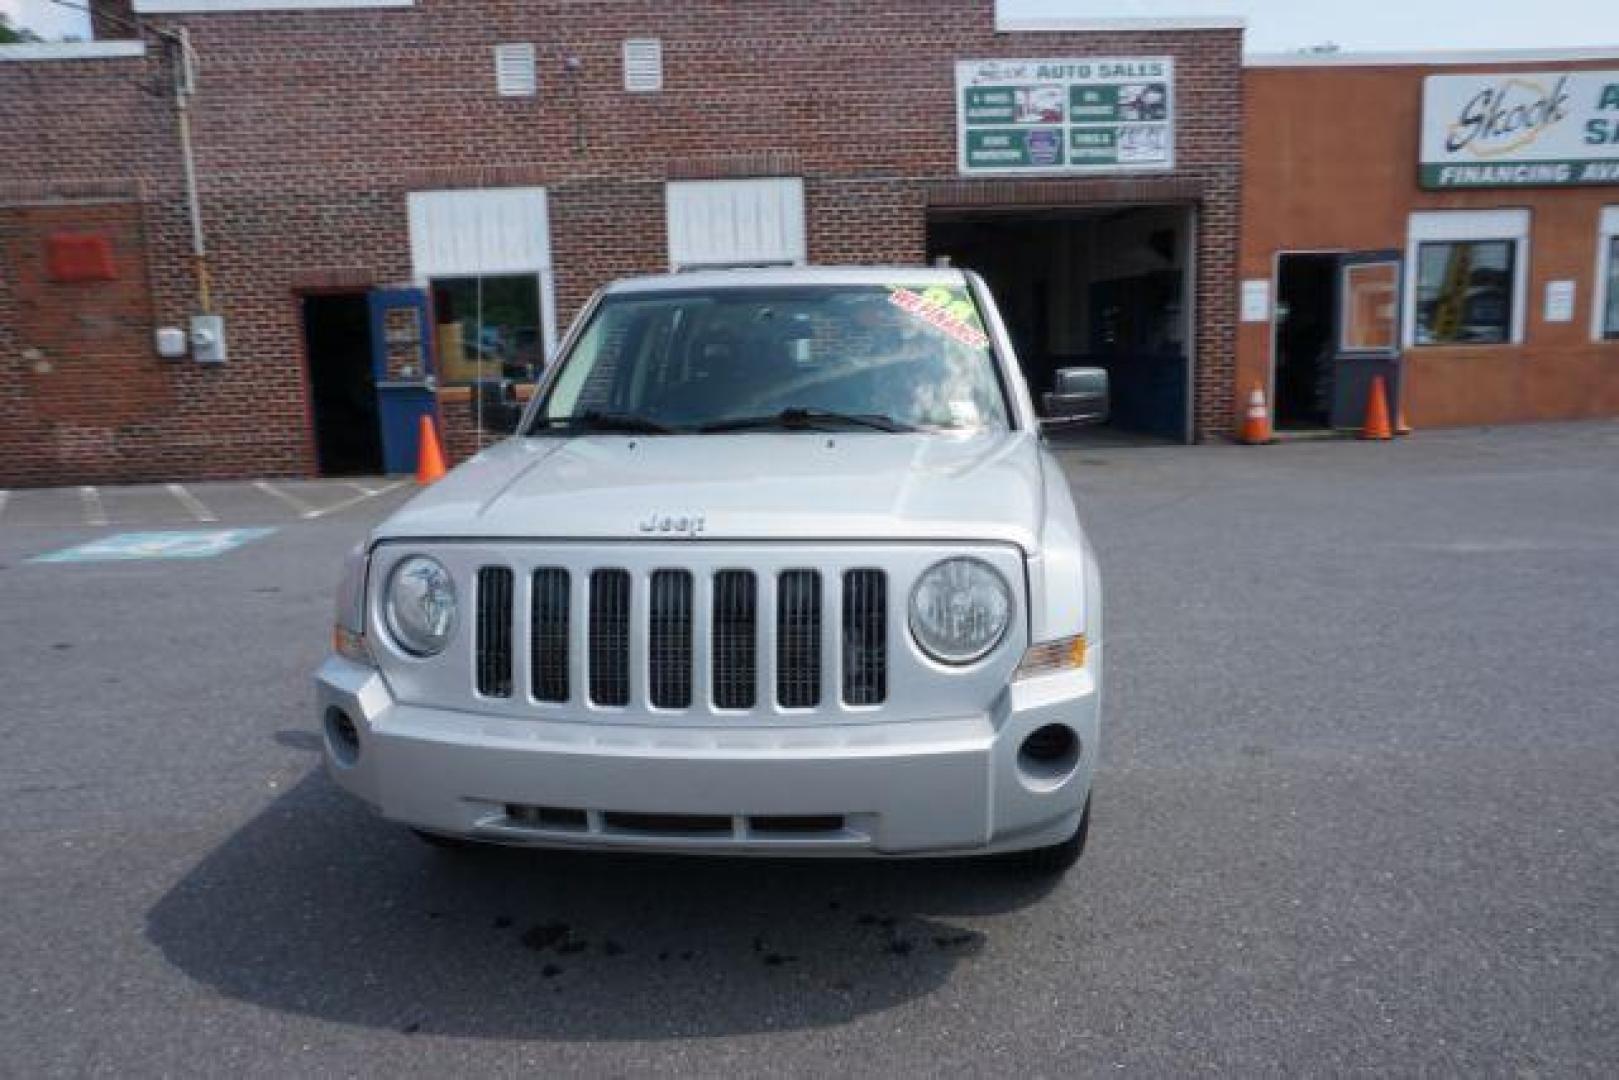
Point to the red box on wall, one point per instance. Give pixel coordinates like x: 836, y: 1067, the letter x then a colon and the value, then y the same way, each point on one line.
x: 78, y: 257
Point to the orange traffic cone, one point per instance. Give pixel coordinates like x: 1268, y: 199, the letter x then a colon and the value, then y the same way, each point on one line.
x: 1256, y: 425
x: 1401, y: 428
x: 429, y: 458
x: 1377, y: 413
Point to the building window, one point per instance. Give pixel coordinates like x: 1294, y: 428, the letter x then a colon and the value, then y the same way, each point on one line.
x: 485, y: 256
x: 1470, y: 277
x: 1605, y: 313
x: 489, y: 327
x: 1465, y: 292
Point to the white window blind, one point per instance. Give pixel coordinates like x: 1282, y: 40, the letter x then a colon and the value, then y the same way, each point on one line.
x: 736, y: 222
x: 516, y: 74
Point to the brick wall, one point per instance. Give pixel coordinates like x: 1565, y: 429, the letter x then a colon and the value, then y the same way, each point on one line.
x: 311, y: 127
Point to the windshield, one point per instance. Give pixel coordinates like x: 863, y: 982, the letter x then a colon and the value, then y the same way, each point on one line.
x: 887, y: 358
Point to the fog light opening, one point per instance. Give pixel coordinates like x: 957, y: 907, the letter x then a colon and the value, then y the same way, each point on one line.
x: 1049, y: 754
x: 342, y: 736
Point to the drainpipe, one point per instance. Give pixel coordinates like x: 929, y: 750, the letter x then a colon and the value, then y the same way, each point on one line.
x: 183, y: 89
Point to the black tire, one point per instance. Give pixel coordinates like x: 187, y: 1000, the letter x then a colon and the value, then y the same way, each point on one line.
x: 1057, y: 859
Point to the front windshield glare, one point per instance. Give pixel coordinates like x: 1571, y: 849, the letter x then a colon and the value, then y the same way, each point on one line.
x: 890, y: 358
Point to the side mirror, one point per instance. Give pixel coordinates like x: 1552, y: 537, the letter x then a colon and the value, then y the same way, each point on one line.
x: 1078, y: 396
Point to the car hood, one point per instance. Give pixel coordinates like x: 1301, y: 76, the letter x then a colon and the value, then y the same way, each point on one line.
x: 750, y: 486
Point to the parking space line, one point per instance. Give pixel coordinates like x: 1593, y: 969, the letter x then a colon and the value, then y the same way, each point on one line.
x: 365, y: 494
x: 194, y: 506
x: 303, y: 508
x: 94, y: 512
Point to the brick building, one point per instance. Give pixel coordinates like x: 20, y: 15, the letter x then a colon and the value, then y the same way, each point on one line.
x: 1450, y: 221
x: 506, y: 157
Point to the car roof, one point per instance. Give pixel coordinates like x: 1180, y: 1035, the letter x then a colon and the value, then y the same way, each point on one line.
x: 780, y: 276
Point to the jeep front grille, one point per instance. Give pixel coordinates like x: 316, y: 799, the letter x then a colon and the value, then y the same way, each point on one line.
x: 865, y: 637
x: 798, y: 639
x: 736, y: 634
x: 548, y: 641
x: 681, y: 636
x: 610, y: 637
x: 494, y: 632
x: 669, y: 640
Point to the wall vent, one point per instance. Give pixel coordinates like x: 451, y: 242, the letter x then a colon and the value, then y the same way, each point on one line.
x: 643, y: 65
x: 516, y: 74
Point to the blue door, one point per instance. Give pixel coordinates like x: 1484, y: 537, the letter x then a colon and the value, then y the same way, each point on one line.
x: 402, y: 365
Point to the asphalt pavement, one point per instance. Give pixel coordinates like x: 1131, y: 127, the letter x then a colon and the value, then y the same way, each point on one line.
x: 1358, y: 812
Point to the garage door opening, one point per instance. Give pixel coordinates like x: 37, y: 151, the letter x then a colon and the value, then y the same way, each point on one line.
x: 1107, y: 287
x: 342, y: 389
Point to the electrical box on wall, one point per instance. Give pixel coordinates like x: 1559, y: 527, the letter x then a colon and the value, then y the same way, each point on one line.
x: 171, y: 342
x: 208, y: 339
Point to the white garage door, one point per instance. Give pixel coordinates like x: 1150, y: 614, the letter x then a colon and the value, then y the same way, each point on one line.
x: 716, y: 223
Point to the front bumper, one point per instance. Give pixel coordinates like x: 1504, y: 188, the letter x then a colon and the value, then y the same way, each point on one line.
x: 930, y: 787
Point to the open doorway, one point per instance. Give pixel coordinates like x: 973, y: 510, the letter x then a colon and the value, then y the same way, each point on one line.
x: 1306, y: 315
x: 1104, y: 286
x: 343, y: 395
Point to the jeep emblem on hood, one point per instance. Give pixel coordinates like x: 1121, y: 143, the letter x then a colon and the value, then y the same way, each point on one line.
x: 684, y: 524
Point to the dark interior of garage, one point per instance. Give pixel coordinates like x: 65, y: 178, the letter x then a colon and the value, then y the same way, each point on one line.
x: 1089, y: 287
x: 343, y: 395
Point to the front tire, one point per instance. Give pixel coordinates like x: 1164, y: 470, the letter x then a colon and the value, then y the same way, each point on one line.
x: 1058, y: 859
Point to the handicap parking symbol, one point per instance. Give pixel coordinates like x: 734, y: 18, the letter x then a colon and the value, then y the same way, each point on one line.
x: 189, y: 544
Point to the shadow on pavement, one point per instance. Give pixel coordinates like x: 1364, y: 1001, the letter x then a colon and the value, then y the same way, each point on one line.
x: 317, y: 907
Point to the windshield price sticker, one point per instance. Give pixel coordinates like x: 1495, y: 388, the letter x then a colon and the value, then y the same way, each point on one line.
x: 943, y: 316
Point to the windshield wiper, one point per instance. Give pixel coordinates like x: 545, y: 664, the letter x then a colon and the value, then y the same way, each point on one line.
x: 800, y: 419
x: 596, y: 420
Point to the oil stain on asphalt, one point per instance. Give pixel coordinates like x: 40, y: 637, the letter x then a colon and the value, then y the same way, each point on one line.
x: 560, y: 939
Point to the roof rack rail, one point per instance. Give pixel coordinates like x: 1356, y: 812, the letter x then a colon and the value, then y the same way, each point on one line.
x: 775, y: 264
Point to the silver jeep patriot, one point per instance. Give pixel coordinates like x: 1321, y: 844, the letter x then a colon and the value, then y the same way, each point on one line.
x: 776, y: 563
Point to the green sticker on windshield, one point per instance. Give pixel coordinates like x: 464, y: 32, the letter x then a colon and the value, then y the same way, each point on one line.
x: 945, y: 310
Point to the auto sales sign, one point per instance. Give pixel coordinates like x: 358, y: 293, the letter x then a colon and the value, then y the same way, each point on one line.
x: 1085, y: 115
x: 1520, y: 129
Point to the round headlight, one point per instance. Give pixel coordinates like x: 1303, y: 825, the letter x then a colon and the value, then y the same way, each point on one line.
x: 420, y: 605
x: 959, y: 610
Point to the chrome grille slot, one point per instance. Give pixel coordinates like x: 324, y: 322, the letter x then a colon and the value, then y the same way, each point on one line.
x: 798, y: 639
x: 736, y: 639
x: 494, y: 632
x: 548, y: 642
x: 669, y: 640
x: 865, y: 637
x: 609, y: 651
